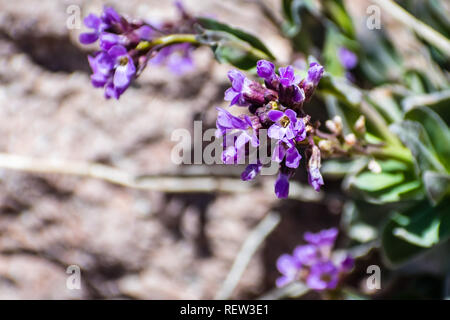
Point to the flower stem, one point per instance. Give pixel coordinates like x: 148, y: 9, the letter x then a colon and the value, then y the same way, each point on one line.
x: 188, y: 38
x: 168, y: 40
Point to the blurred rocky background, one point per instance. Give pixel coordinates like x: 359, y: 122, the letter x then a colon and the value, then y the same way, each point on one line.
x: 128, y: 243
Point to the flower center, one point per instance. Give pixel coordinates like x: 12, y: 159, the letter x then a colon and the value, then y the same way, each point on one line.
x: 326, y: 277
x: 285, y: 121
x: 123, y: 61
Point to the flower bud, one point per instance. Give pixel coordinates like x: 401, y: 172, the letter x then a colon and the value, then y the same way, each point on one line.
x: 338, y: 122
x: 374, y: 166
x: 360, y: 125
x: 325, y: 145
x: 350, y: 139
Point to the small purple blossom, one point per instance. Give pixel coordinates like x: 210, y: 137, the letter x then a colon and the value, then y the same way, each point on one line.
x: 226, y: 121
x: 177, y: 57
x: 323, y: 275
x: 323, y: 238
x: 112, y: 70
x: 98, y: 25
x: 347, y: 58
x: 238, y: 132
x: 315, y: 73
x: 124, y: 70
x: 266, y: 70
x: 288, y: 77
x: 307, y: 254
x: 286, y: 125
x: 282, y: 186
x: 286, y: 149
x: 312, y: 264
x: 239, y: 84
x: 289, y: 267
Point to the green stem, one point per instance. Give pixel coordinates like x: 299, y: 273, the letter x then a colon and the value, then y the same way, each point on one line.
x: 188, y: 38
x: 168, y: 40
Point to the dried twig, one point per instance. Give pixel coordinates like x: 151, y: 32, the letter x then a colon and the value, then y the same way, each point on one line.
x: 172, y: 184
x: 117, y: 176
x: 248, y: 249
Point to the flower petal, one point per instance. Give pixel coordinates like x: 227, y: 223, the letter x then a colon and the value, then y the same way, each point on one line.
x: 275, y: 115
x: 293, y: 158
x: 92, y: 21
x: 282, y: 186
x: 88, y: 38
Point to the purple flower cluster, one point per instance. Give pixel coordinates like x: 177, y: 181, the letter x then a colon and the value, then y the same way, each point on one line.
x: 115, y: 65
x: 120, y: 58
x: 276, y: 106
x: 312, y: 262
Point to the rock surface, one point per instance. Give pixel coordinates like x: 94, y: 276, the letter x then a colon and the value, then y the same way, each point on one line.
x: 128, y: 243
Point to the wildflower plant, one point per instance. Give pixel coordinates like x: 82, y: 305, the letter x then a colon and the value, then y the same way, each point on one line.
x: 387, y: 136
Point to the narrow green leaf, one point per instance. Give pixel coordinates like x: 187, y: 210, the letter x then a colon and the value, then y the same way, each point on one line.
x: 211, y: 24
x: 436, y: 129
x: 414, y: 136
x: 368, y: 181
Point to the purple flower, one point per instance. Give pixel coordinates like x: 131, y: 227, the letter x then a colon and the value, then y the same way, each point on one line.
x: 286, y: 125
x: 286, y: 149
x: 282, y: 186
x: 102, y: 66
x: 323, y: 275
x: 226, y: 121
x: 315, y: 73
x: 95, y: 23
x: 99, y: 25
x: 124, y: 70
x: 238, y: 132
x: 314, y: 176
x: 311, y: 263
x: 290, y: 91
x: 288, y: 267
x: 112, y: 70
x: 323, y: 238
x: 251, y: 171
x: 177, y: 57
x: 307, y: 254
x: 347, y: 58
x: 239, y: 85
x: 266, y: 70
x: 288, y: 77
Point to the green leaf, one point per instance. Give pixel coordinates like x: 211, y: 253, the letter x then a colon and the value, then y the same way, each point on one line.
x: 336, y: 10
x: 368, y: 181
x: 211, y: 24
x: 436, y: 129
x: 340, y: 168
x: 409, y: 233
x: 414, y: 136
x: 437, y: 185
x: 235, y: 53
x: 408, y: 190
